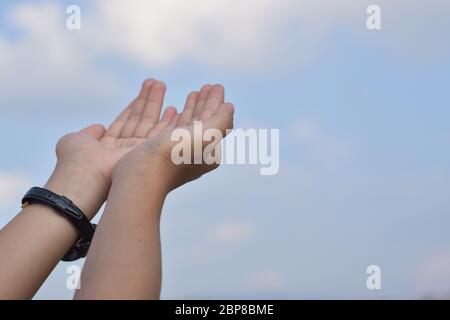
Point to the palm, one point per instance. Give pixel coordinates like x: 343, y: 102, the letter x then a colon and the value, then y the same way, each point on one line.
x: 140, y: 122
x: 102, y: 147
x: 206, y: 106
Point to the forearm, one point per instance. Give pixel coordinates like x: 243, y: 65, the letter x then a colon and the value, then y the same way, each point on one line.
x: 124, y: 260
x: 36, y: 239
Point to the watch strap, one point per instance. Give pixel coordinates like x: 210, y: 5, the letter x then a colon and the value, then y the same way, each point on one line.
x: 71, y: 212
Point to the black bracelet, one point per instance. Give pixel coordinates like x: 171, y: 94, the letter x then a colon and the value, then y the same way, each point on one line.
x: 70, y: 211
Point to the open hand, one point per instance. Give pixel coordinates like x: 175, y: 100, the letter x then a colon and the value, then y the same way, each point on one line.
x: 101, y: 148
x: 155, y: 154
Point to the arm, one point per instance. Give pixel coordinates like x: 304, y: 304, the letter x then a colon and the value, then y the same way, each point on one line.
x: 124, y: 261
x: 35, y: 240
x: 33, y: 243
x: 125, y: 257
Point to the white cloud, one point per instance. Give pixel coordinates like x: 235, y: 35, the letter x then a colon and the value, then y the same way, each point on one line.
x: 232, y: 232
x: 240, y: 36
x: 12, y: 187
x: 212, y: 32
x: 46, y: 59
x: 256, y: 33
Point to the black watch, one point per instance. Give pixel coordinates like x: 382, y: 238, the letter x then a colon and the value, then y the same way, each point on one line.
x: 71, y: 212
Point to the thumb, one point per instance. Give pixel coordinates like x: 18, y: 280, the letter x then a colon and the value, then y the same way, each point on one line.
x: 96, y: 131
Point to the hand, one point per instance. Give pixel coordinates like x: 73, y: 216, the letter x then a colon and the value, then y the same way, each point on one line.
x: 124, y: 260
x: 86, y: 159
x: 154, y: 155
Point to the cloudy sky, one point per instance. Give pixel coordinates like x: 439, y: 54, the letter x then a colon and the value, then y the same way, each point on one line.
x: 364, y: 135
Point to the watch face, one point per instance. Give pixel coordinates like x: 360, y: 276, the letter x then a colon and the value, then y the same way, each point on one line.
x: 77, y: 251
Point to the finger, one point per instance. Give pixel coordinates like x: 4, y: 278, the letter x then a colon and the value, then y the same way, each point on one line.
x: 201, y: 101
x: 222, y: 118
x: 96, y: 131
x: 189, y: 106
x: 169, y: 114
x: 136, y: 110
x: 116, y: 127
x: 165, y: 120
x: 173, y: 123
x: 152, y: 110
x: 214, y: 100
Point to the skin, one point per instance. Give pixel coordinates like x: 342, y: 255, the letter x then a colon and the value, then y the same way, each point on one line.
x: 131, y: 161
x: 125, y: 256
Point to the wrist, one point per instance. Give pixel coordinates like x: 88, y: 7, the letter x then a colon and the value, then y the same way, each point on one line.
x: 80, y: 182
x: 138, y: 191
x: 142, y: 172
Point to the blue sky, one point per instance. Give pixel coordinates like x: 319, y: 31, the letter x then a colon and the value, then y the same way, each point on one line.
x: 364, y: 135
